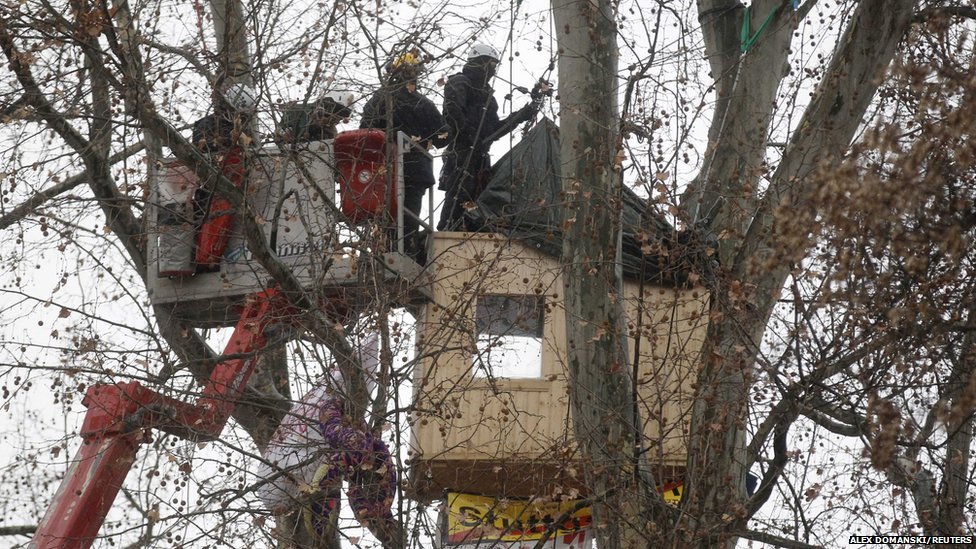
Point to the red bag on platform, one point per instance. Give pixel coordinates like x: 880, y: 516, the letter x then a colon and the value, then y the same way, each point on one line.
x: 361, y: 160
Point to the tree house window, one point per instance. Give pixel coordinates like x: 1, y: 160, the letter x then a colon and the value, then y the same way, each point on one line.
x: 509, y: 336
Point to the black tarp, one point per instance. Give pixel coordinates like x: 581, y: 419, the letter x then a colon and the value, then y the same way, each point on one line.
x: 523, y: 199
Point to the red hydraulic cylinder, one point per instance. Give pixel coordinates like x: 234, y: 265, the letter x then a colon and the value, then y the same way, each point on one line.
x: 230, y: 376
x: 84, y: 499
x: 107, y: 452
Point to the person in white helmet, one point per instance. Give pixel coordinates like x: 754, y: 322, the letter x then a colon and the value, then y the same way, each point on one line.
x: 472, y: 116
x: 303, y: 122
x: 230, y: 120
x: 329, y: 110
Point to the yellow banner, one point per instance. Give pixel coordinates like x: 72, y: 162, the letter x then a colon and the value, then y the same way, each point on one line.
x: 471, y: 518
x: 672, y: 492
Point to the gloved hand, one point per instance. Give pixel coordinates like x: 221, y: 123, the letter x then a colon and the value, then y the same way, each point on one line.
x: 528, y: 112
x: 541, y: 89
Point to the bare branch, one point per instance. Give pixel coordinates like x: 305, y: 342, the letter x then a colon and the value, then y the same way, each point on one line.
x: 824, y: 419
x: 116, y: 206
x: 769, y: 480
x: 190, y: 57
x: 30, y: 205
x: 787, y: 410
x: 778, y: 541
x: 926, y: 14
x: 17, y: 530
x: 11, y: 110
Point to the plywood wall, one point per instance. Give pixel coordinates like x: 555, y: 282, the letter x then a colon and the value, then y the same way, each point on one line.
x: 470, y: 430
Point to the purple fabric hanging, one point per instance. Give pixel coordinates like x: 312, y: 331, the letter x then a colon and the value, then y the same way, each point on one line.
x: 358, y: 456
x: 315, y: 448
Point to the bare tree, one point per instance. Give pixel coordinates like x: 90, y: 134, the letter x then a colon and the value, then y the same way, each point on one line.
x: 832, y: 232
x: 763, y: 215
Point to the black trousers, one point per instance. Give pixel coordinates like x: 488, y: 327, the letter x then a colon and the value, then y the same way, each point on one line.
x: 413, y: 201
x: 463, y: 176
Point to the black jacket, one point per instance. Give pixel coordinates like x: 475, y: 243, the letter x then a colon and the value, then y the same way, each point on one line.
x: 416, y: 116
x: 471, y: 111
x: 215, y: 132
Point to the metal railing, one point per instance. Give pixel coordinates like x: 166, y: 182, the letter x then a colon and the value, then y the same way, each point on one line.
x: 403, y: 144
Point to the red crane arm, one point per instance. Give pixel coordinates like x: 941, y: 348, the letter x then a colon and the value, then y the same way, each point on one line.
x: 120, y: 414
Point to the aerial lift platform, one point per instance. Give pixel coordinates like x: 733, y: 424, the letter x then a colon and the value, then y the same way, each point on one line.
x: 311, y: 232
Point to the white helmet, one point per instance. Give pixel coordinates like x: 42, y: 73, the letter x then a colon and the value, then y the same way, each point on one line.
x: 483, y: 50
x: 241, y: 97
x: 346, y: 99
x: 336, y: 103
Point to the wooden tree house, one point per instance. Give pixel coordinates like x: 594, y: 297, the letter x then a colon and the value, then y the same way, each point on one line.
x: 491, y: 393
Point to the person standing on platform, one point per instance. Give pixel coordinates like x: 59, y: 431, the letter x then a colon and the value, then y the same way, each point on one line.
x: 399, y: 107
x: 225, y: 134
x: 472, y: 115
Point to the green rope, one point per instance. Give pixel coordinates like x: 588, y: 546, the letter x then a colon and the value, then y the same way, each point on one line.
x: 747, y: 40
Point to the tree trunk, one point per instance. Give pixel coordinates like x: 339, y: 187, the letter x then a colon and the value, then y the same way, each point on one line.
x: 234, y: 54
x: 600, y: 391
x: 755, y: 257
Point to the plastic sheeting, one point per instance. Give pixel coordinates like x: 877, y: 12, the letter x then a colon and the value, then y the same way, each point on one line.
x: 523, y: 199
x: 175, y: 225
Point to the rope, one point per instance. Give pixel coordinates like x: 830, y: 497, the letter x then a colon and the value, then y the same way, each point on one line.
x: 747, y: 40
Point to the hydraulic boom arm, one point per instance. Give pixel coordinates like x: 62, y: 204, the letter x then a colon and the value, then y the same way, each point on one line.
x: 120, y: 414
